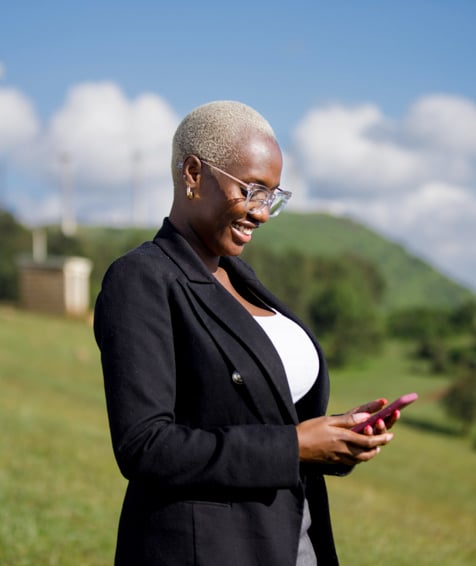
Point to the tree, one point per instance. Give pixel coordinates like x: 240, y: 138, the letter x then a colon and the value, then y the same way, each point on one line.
x: 463, y: 317
x: 15, y: 239
x: 460, y: 400
x: 419, y: 323
x: 344, y: 315
x: 337, y: 297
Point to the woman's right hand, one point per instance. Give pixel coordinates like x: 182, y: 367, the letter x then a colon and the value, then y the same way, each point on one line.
x: 330, y: 440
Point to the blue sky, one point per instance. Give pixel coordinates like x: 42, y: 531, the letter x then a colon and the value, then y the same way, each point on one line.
x: 373, y: 102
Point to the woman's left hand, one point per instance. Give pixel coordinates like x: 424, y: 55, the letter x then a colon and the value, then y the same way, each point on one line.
x: 380, y: 426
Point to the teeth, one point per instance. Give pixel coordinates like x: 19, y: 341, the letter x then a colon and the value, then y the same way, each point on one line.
x: 243, y: 229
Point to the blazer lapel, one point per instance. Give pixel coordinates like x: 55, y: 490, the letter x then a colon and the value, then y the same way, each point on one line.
x: 230, y: 324
x: 236, y: 333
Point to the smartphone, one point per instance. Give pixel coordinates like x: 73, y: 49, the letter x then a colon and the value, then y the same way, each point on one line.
x: 387, y: 411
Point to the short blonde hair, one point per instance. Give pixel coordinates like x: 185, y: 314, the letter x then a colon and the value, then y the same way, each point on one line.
x: 214, y: 132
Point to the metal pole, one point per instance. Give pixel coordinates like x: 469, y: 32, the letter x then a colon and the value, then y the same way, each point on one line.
x: 68, y: 223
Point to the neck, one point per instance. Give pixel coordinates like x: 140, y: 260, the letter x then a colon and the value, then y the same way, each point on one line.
x: 211, y: 261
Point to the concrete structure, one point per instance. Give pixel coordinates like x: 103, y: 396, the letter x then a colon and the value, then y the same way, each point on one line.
x: 57, y: 285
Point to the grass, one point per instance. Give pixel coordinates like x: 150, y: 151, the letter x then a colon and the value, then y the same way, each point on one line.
x: 61, y: 492
x: 416, y: 502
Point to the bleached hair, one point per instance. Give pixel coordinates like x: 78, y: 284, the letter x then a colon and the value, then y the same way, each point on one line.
x: 214, y: 132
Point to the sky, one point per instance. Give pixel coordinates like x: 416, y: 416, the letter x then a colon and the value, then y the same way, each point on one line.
x: 373, y: 103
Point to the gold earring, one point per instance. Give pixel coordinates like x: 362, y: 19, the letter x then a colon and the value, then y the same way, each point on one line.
x: 190, y: 194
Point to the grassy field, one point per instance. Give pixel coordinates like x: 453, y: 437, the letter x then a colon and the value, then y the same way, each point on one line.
x: 415, y: 504
x: 60, y: 491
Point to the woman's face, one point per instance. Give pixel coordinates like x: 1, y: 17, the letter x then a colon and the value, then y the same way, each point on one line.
x: 218, y: 221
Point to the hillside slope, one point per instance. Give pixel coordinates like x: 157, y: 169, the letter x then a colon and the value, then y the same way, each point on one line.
x: 410, y: 281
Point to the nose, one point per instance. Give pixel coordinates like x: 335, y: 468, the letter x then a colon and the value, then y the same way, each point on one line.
x: 261, y: 216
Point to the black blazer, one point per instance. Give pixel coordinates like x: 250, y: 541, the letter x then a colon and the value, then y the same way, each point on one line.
x: 201, y: 416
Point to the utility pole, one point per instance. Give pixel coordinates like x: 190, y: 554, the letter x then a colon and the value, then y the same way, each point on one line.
x: 3, y: 182
x: 136, y: 160
x: 68, y: 223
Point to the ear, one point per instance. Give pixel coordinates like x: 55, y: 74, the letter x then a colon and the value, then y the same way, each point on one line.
x: 192, y: 170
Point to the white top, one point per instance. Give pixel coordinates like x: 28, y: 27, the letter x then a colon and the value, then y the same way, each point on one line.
x: 296, y: 350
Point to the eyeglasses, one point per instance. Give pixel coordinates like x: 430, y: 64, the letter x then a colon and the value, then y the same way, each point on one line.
x: 259, y: 196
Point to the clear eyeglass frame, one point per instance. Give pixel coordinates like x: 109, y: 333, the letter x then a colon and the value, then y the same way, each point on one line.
x: 258, y: 196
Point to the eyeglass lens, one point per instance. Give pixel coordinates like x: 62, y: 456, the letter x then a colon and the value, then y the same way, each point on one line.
x: 259, y: 198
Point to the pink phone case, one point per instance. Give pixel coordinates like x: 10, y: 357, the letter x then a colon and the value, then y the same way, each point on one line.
x: 387, y: 411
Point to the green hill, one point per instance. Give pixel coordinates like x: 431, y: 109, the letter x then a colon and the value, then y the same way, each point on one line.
x: 410, y: 281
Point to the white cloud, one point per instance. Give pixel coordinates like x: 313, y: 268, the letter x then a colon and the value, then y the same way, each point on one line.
x: 35, y: 211
x: 353, y: 151
x: 413, y: 179
x: 112, y: 152
x: 109, y: 139
x: 339, y: 147
x: 443, y: 121
x: 18, y: 121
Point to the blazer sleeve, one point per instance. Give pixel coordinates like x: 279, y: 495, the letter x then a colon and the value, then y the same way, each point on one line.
x: 135, y: 333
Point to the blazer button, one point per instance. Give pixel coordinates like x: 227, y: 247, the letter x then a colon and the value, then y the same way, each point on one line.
x: 236, y: 377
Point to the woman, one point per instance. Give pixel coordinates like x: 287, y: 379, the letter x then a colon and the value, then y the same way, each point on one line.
x: 215, y: 391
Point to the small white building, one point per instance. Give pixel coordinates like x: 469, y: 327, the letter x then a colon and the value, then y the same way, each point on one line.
x: 56, y: 285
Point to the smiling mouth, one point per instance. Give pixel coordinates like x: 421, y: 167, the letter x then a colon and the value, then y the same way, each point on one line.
x: 247, y: 231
